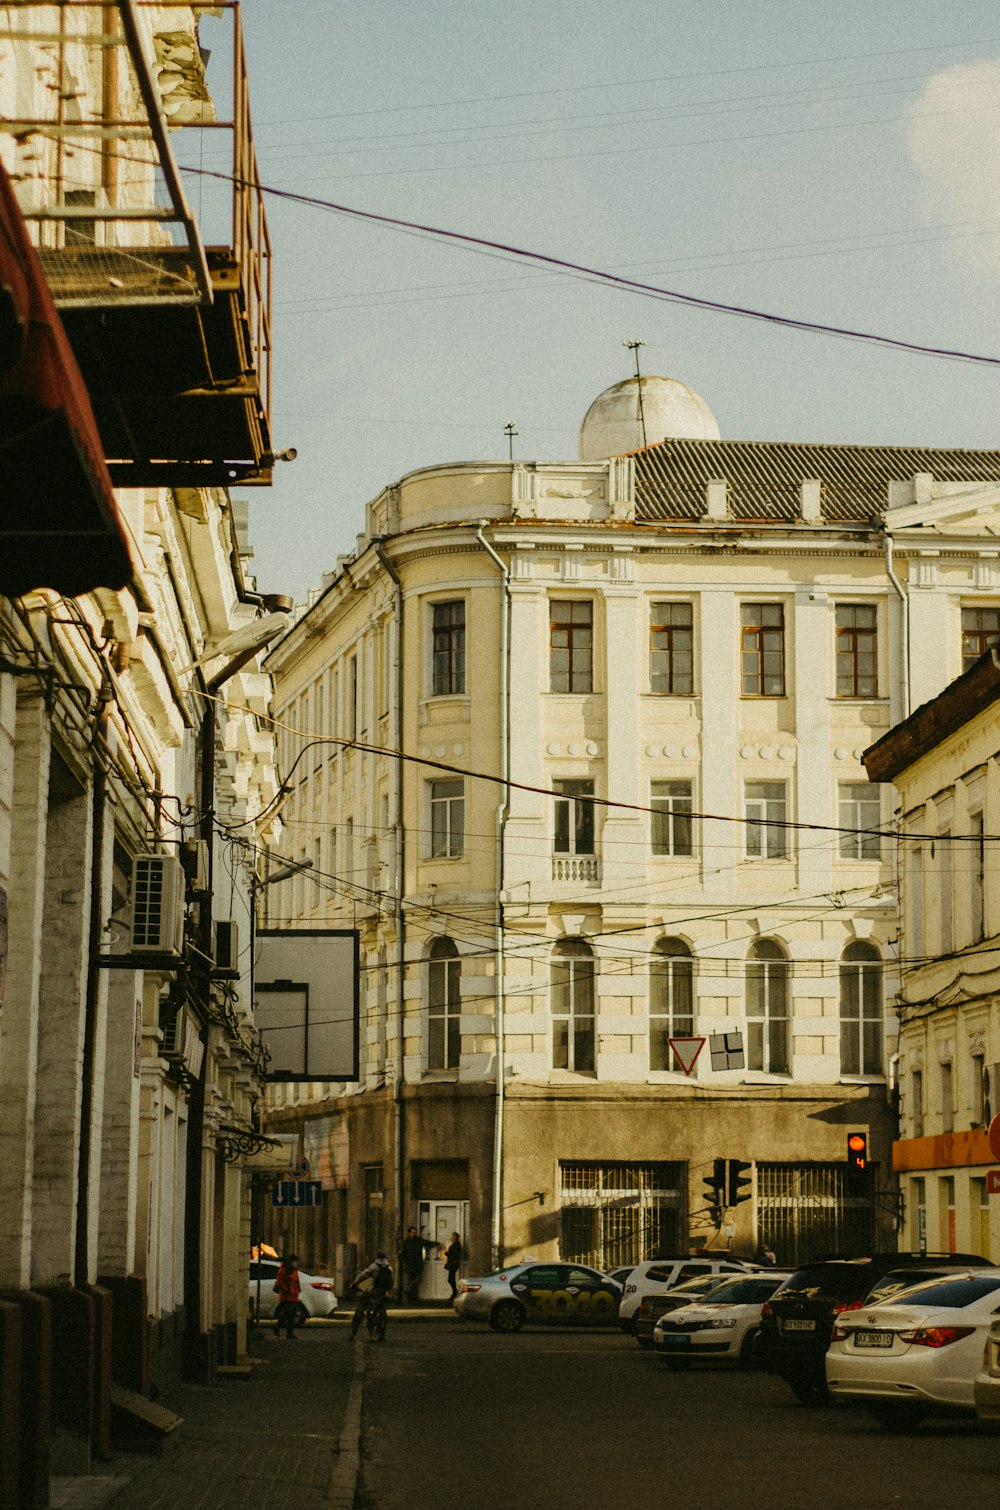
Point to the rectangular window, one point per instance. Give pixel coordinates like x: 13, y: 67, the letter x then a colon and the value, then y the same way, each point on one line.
x: 917, y: 1104
x: 859, y: 807
x: 571, y: 646
x: 977, y: 1089
x: 980, y: 629
x: 574, y: 818
x: 768, y: 1003
x: 913, y: 898
x: 976, y: 851
x: 447, y: 819
x: 444, y: 1007
x: 671, y: 829
x: 448, y: 633
x: 945, y: 855
x: 857, y: 650
x: 573, y: 1020
x: 947, y: 1104
x: 671, y: 649
x: 762, y: 649
x: 766, y: 811
x: 671, y: 1001
x: 352, y: 697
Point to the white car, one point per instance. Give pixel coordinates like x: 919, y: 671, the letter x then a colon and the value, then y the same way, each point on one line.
x: 655, y: 1276
x: 917, y: 1352
x: 318, y: 1295
x: 722, y: 1326
x: 986, y: 1389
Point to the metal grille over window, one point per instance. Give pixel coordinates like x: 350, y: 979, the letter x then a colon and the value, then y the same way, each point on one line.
x: 444, y: 1006
x: 571, y: 646
x: 861, y: 1014
x: 617, y: 1214
x: 573, y: 1021
x: 671, y: 649
x: 768, y: 1003
x: 804, y: 1214
x: 857, y: 650
x: 762, y: 649
x: 449, y: 649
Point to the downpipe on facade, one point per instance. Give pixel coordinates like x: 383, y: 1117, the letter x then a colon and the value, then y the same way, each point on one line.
x: 904, y: 599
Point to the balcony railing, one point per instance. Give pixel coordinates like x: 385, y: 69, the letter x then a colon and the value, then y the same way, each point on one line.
x: 576, y: 868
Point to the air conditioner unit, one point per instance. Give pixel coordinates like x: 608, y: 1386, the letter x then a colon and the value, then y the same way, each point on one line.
x: 227, y: 949
x: 157, y: 905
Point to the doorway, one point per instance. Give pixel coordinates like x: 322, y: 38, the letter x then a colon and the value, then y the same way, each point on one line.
x: 436, y: 1221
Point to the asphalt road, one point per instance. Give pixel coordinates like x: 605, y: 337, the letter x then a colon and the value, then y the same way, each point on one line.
x: 457, y: 1417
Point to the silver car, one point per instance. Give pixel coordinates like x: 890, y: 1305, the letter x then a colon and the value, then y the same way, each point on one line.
x: 556, y: 1294
x: 318, y: 1295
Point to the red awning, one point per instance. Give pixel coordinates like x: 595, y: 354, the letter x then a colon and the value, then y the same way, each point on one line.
x: 59, y: 521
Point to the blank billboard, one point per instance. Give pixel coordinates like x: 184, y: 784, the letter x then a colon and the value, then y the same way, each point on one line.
x: 306, y: 1002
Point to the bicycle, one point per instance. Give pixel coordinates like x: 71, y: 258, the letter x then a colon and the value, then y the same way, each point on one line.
x: 372, y: 1310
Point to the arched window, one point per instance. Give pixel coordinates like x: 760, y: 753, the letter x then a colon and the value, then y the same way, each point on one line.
x: 671, y: 1000
x: 444, y: 1005
x: 861, y: 1018
x: 768, y: 998
x: 573, y: 1024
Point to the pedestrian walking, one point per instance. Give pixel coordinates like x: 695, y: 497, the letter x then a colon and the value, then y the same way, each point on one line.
x: 288, y: 1289
x: 453, y: 1256
x: 413, y: 1254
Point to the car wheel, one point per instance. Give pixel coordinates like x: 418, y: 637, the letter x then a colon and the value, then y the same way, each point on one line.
x: 507, y: 1316
x: 895, y: 1415
x: 678, y: 1364
x: 809, y: 1390
x: 301, y: 1314
x: 748, y: 1349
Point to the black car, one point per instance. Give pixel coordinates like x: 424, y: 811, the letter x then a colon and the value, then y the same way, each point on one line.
x: 797, y: 1322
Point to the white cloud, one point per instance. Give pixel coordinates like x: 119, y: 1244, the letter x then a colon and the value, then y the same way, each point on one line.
x: 953, y: 136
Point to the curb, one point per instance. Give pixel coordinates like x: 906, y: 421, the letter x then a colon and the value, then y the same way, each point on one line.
x: 343, y: 1486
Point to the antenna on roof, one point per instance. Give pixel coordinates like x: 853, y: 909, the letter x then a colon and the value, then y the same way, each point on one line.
x: 510, y: 430
x: 633, y: 346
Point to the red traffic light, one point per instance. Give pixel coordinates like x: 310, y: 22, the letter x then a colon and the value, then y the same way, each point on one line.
x: 857, y: 1150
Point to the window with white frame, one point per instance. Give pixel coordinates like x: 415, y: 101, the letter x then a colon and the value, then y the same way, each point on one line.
x: 980, y: 630
x: 859, y: 807
x: 671, y: 826
x: 448, y: 648
x: 447, y: 819
x: 573, y: 1014
x: 444, y: 1006
x: 861, y: 1017
x: 768, y: 1008
x: 573, y: 817
x: 671, y: 1000
x: 767, y: 815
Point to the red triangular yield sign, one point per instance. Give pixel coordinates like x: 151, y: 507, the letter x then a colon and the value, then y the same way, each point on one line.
x: 686, y: 1051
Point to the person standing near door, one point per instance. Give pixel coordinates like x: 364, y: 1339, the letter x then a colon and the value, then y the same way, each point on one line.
x: 288, y: 1289
x: 415, y: 1250
x: 453, y: 1256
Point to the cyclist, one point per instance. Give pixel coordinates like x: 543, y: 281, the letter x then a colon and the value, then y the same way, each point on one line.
x: 373, y: 1299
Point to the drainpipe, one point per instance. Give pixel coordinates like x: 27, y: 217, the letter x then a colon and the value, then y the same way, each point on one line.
x: 496, y: 1235
x: 905, y: 603
x: 396, y: 741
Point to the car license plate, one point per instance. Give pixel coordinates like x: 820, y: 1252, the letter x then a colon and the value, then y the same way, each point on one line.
x: 873, y: 1339
x: 676, y: 1339
x: 798, y: 1326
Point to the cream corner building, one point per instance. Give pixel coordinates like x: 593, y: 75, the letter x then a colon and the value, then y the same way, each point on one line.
x: 674, y: 651
x: 943, y: 761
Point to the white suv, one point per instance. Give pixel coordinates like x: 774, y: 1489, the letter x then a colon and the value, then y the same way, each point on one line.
x: 657, y: 1275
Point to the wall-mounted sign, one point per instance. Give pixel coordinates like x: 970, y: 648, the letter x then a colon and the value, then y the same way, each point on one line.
x: 297, y: 1193
x: 993, y: 1182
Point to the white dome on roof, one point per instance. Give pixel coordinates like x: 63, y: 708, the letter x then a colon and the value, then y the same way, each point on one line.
x: 613, y: 423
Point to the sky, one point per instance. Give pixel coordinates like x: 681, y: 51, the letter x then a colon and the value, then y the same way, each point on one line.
x: 836, y: 162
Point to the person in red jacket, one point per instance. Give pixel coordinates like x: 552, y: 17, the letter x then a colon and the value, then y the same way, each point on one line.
x: 288, y: 1290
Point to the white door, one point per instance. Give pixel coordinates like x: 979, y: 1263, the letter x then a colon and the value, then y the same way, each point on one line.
x: 436, y: 1222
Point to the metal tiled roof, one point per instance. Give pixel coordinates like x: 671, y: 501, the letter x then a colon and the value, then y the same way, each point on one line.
x: 764, y: 477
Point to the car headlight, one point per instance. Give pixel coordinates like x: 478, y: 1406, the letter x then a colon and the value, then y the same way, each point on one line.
x: 721, y: 1323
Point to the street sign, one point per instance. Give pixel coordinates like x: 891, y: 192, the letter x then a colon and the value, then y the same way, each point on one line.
x: 993, y: 1135
x: 686, y: 1051
x: 726, y: 1050
x: 993, y: 1182
x: 297, y: 1193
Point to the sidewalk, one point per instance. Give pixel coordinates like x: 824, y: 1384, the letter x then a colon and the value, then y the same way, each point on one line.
x: 287, y: 1438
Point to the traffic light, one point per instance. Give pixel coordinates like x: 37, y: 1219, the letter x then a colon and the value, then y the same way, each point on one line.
x: 715, y: 1189
x: 857, y: 1163
x: 737, y: 1182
